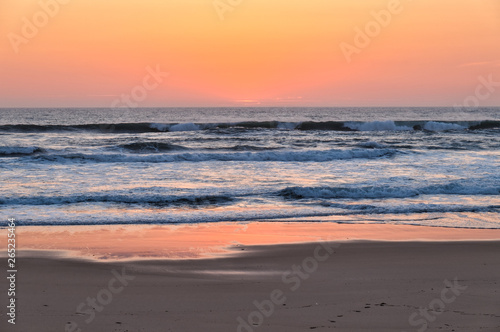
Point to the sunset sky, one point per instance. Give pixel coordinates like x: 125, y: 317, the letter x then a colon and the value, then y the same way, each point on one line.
x: 258, y: 53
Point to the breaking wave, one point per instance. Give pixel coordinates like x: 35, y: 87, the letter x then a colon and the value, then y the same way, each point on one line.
x: 18, y: 151
x: 161, y: 200
x: 373, y: 192
x: 306, y: 125
x: 277, y: 156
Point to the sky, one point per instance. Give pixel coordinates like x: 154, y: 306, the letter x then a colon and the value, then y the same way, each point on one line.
x: 212, y: 53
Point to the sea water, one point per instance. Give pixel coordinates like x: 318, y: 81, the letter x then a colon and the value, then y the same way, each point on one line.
x: 421, y: 166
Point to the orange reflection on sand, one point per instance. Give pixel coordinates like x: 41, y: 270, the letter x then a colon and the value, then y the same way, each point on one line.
x: 212, y: 239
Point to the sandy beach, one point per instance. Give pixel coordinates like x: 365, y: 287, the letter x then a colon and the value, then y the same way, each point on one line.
x: 338, y: 285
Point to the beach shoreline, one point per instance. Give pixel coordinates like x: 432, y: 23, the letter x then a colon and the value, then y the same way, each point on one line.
x: 344, y: 285
x: 205, y: 240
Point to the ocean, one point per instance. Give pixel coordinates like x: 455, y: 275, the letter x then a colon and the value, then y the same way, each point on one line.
x: 415, y: 166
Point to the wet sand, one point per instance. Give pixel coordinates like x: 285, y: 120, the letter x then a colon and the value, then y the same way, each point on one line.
x: 380, y: 285
x: 126, y: 242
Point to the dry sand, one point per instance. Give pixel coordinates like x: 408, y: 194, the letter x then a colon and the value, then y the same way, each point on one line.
x: 320, y: 286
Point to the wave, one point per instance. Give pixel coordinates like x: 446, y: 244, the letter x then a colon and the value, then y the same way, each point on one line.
x: 158, y: 147
x: 159, y: 200
x: 102, y: 127
x: 246, y: 147
x: 277, y: 156
x: 374, y: 192
x: 370, y: 214
x: 376, y: 126
x: 151, y: 147
x: 19, y: 151
x: 488, y: 124
x: 411, y: 208
x: 442, y: 126
x: 371, y: 145
x: 249, y: 125
x: 176, y: 127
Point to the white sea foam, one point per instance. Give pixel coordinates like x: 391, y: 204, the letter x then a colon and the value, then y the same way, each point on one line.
x: 184, y: 127
x: 441, y: 126
x: 376, y: 126
x: 58, y: 215
x: 176, y: 127
x: 160, y: 126
x: 288, y: 125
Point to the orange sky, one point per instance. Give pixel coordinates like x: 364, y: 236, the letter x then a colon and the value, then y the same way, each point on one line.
x: 264, y: 52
